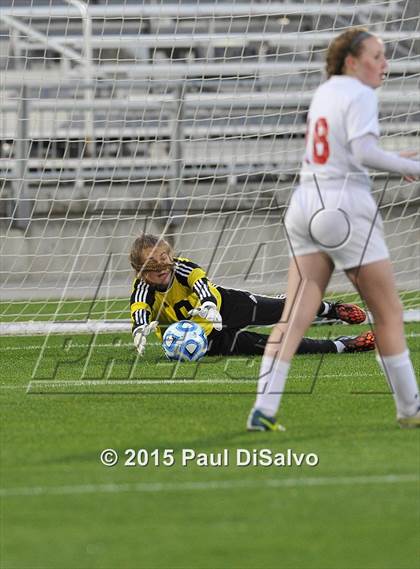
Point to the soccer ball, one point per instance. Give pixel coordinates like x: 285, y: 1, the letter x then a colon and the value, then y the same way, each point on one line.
x: 184, y: 341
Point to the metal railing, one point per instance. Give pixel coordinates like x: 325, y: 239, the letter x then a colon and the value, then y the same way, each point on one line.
x: 224, y: 145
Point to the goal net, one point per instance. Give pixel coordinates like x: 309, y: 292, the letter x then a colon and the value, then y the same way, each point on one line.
x: 183, y: 119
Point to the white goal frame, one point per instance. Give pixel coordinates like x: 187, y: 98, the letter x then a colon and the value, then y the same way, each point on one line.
x: 202, y: 146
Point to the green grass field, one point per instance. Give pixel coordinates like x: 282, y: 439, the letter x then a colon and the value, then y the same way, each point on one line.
x: 65, y: 399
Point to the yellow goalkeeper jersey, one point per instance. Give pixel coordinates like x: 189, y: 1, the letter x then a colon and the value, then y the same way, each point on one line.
x: 190, y: 287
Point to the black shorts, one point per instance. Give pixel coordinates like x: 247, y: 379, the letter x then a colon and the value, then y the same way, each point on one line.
x: 240, y: 309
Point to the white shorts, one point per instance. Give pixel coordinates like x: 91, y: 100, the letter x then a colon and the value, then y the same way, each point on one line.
x: 351, y: 237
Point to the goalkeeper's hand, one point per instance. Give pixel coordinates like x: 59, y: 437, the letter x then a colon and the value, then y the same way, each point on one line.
x: 208, y: 311
x: 140, y: 335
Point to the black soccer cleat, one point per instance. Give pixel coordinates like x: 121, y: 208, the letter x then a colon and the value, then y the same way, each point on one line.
x: 363, y: 343
x: 350, y: 313
x: 257, y: 421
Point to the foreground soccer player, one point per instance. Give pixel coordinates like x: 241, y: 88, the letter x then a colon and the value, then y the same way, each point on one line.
x: 168, y: 289
x: 342, y: 142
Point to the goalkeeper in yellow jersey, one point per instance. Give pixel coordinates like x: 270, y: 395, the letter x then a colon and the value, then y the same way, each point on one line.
x: 168, y: 289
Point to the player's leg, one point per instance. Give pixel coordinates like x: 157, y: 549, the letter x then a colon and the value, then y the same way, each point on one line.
x: 249, y: 343
x: 235, y: 342
x: 247, y: 309
x: 307, y: 280
x: 241, y: 308
x: 346, y: 312
x: 393, y: 355
x: 364, y: 342
x: 220, y: 342
x: 267, y: 310
x: 375, y: 283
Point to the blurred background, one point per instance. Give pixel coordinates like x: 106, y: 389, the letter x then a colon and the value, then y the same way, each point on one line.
x: 183, y: 119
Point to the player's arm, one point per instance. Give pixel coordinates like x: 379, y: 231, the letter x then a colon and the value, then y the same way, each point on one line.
x: 363, y: 133
x: 194, y: 277
x: 367, y: 151
x: 141, y: 302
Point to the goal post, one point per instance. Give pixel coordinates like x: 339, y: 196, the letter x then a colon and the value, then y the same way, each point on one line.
x: 182, y: 119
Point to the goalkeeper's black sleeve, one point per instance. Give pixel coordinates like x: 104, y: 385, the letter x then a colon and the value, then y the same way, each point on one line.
x: 141, y: 301
x: 192, y: 275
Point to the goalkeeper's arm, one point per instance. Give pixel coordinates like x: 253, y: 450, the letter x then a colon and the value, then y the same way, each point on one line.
x: 140, y: 335
x: 141, y: 301
x: 194, y: 277
x: 208, y: 311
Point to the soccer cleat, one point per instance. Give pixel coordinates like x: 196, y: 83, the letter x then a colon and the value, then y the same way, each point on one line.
x: 362, y: 343
x: 411, y: 422
x: 350, y: 313
x: 257, y: 421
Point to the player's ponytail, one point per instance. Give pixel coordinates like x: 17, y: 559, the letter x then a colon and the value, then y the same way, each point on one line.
x: 349, y: 42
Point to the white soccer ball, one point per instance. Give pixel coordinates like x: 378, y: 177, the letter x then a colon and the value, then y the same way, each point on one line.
x: 185, y: 341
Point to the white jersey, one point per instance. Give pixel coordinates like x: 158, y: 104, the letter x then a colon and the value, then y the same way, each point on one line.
x: 342, y: 110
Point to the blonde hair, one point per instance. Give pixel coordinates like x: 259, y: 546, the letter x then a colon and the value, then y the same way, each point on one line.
x: 349, y: 42
x: 142, y: 242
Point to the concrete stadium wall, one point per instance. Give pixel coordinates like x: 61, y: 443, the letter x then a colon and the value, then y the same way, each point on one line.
x: 244, y: 250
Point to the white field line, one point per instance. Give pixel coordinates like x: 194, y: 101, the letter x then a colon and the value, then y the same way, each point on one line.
x: 94, y: 382
x: 73, y: 346
x: 52, y: 383
x: 171, y: 381
x: 157, y: 487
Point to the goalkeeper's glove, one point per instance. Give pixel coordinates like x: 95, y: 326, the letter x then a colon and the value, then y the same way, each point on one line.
x: 208, y: 311
x: 140, y: 335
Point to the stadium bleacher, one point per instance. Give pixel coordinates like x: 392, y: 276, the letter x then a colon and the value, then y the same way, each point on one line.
x: 207, y: 100
x: 134, y: 59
